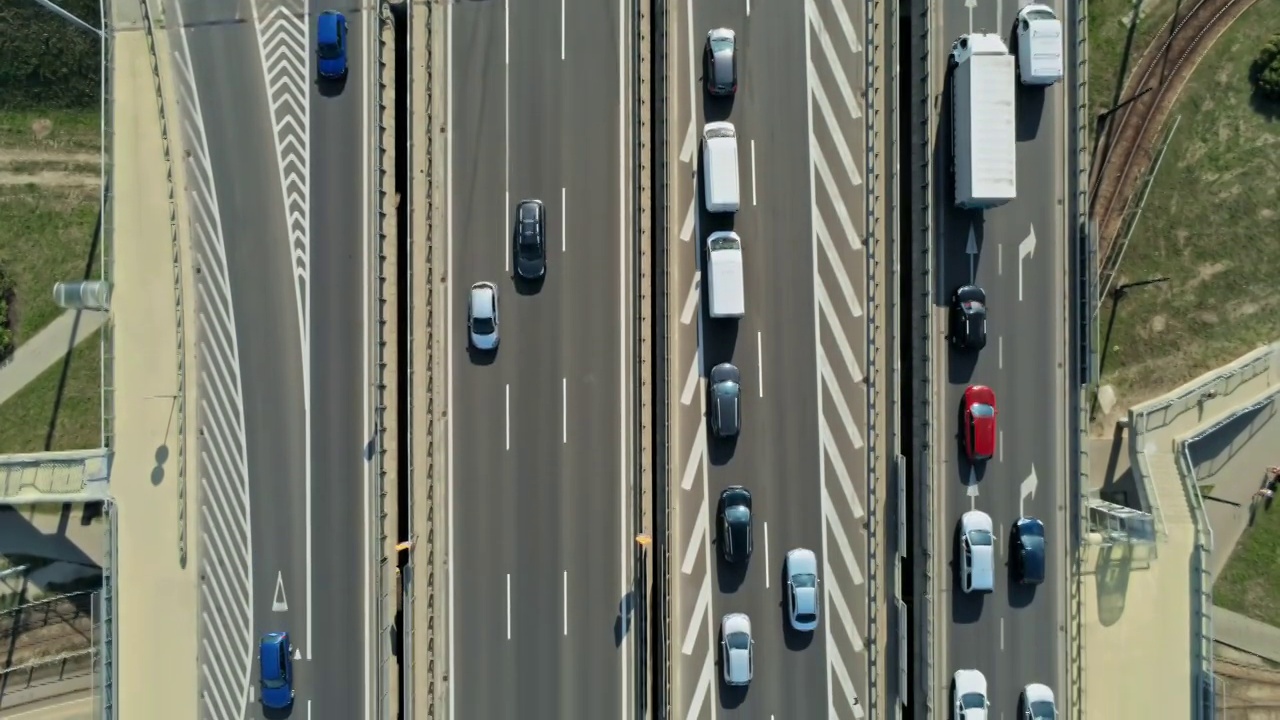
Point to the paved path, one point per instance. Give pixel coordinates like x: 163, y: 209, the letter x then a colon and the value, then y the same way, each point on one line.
x: 157, y: 601
x: 1243, y: 633
x: 47, y: 347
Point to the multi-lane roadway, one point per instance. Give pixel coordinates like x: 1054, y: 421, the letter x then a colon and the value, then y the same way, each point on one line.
x: 801, y: 349
x: 540, y: 433
x: 1017, y: 253
x: 283, y: 247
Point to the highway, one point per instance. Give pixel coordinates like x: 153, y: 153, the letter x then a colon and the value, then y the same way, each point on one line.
x: 801, y: 349
x: 540, y: 443
x: 1015, y: 635
x: 287, y: 507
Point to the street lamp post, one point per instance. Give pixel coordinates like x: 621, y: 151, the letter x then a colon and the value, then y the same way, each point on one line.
x: 1120, y: 291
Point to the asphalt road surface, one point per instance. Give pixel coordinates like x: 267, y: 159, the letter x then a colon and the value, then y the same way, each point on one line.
x: 284, y: 480
x: 1015, y: 635
x: 540, y: 432
x: 800, y: 348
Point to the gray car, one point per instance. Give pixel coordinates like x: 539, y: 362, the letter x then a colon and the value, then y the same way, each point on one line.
x: 802, y: 589
x: 724, y: 408
x: 721, y: 62
x: 482, y: 316
x: 737, y: 649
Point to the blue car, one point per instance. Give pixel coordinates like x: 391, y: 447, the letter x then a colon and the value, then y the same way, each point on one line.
x: 331, y: 45
x: 275, y: 661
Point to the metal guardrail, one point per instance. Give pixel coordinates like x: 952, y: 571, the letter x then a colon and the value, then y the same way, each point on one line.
x: 1201, y: 579
x: 384, y: 704
x: 106, y: 660
x: 180, y: 398
x: 893, y: 240
x: 408, y: 688
x: 923, y: 322
x: 661, y: 79
x: 874, y: 158
x: 639, y: 581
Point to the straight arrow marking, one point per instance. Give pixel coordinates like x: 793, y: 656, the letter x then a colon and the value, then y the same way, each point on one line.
x: 971, y: 249
x: 278, y: 603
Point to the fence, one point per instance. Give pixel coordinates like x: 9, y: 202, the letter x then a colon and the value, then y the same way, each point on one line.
x: 874, y: 158
x: 640, y: 83
x: 384, y: 704
x: 662, y: 351
x: 408, y: 578
x: 107, y: 224
x: 180, y: 399
x: 922, y: 321
x: 106, y: 659
x: 26, y: 631
x: 893, y: 244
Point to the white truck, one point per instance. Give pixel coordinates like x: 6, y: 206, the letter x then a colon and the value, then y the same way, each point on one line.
x: 983, y: 122
x: 726, y: 286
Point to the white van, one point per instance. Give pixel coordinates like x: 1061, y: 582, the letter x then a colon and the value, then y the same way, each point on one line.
x: 726, y: 286
x: 1039, y: 45
x: 720, y: 167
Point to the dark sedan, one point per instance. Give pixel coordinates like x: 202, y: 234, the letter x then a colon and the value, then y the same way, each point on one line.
x: 735, y: 524
x: 1028, y: 554
x: 530, y: 240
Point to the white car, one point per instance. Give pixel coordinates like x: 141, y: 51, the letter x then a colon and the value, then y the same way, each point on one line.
x: 969, y: 692
x: 802, y: 589
x: 737, y: 649
x: 1037, y: 703
x: 1039, y: 33
x: 977, y: 552
x: 482, y: 316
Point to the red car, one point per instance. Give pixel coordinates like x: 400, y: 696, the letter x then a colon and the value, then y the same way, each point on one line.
x: 979, y: 422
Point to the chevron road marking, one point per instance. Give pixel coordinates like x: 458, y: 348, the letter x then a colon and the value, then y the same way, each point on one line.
x: 695, y: 541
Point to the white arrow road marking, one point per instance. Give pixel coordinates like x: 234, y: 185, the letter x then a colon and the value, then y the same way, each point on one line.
x: 297, y: 654
x: 971, y: 249
x: 1027, y: 490
x: 1026, y: 249
x: 278, y: 603
x: 972, y: 489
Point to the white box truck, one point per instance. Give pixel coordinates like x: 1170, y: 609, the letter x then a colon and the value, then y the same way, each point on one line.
x: 726, y: 286
x: 983, y: 122
x: 720, y: 167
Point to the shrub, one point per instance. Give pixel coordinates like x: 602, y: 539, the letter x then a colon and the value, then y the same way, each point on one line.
x: 1266, y: 69
x: 47, y: 62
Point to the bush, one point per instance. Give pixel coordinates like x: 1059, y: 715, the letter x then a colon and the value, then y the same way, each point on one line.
x: 1266, y: 69
x: 46, y: 61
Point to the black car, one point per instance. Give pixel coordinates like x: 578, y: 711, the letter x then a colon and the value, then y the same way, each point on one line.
x: 735, y: 524
x: 1028, y: 553
x: 724, y: 406
x: 969, y: 318
x: 720, y: 62
x: 530, y: 240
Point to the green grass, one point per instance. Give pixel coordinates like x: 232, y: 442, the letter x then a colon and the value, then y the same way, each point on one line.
x: 78, y: 424
x: 52, y: 131
x: 1211, y: 224
x: 1250, y: 582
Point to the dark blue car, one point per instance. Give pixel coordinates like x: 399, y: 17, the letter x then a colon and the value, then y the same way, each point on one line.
x: 331, y: 45
x: 275, y: 660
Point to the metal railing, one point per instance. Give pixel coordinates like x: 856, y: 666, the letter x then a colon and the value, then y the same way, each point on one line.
x: 107, y: 226
x: 1201, y: 578
x: 106, y: 660
x: 640, y: 105
x: 408, y: 579
x: 662, y: 349
x: 384, y: 705
x: 923, y: 322
x: 874, y: 156
x: 180, y: 350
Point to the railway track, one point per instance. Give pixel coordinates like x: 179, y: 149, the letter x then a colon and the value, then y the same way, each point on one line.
x: 1133, y: 133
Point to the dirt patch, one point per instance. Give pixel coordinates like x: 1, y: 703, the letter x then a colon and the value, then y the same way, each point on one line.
x: 1247, y: 691
x: 50, y: 178
x: 47, y: 166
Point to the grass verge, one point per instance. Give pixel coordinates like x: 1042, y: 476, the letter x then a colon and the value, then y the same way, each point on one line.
x: 48, y: 232
x: 1250, y: 582
x: 1116, y: 45
x: 1209, y: 225
x: 53, y: 413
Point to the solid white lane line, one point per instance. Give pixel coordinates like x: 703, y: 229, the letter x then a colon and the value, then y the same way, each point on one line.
x: 760, y: 362
x: 564, y: 219
x: 506, y: 249
x: 507, y: 432
x: 566, y: 602
x: 767, y: 566
x: 506, y: 32
x: 564, y: 403
x: 1000, y: 352
x: 366, y: 53
x: 753, y: 172
x: 999, y: 259
x: 625, y: 530
x: 506, y: 131
x: 448, y: 339
x: 1001, y: 446
x: 508, y: 606
x: 749, y: 15
x: 561, y: 29
x: 1001, y: 633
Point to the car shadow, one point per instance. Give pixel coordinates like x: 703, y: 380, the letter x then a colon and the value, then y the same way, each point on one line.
x: 716, y: 108
x: 966, y: 608
x: 1020, y: 595
x: 481, y: 357
x: 277, y: 714
x: 622, y: 623
x: 731, y: 696
x: 524, y: 286
x: 720, y: 450
x: 729, y: 576
x: 960, y: 365
x: 331, y: 87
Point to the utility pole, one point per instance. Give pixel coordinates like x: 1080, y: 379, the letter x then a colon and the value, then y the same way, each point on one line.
x: 1120, y: 291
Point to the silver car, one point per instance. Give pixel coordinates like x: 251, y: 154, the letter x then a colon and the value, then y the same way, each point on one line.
x: 1037, y: 703
x: 737, y: 649
x: 802, y: 589
x: 482, y: 316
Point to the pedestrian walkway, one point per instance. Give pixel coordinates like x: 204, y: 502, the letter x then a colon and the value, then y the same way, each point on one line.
x: 157, y: 597
x: 47, y: 347
x: 1244, y: 633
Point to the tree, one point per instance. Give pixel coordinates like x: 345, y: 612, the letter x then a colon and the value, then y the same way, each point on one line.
x: 1266, y: 69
